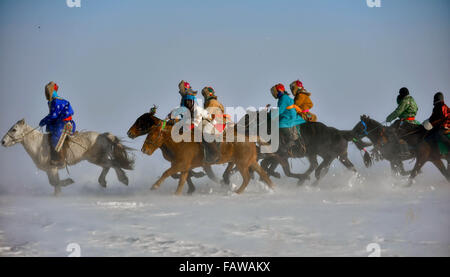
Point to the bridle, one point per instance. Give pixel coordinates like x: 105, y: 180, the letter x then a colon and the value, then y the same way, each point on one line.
x: 16, y: 140
x: 163, y: 126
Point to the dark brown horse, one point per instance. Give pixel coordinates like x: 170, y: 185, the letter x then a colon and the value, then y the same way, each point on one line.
x: 189, y: 155
x: 421, y: 148
x: 425, y: 149
x: 384, y: 146
x: 142, y: 126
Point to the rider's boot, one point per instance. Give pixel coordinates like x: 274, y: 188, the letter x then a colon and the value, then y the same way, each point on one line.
x: 212, y: 152
x: 56, y: 158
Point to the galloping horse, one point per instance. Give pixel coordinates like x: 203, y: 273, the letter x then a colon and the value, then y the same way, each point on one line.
x: 104, y: 150
x: 383, y: 144
x: 189, y: 155
x: 318, y: 140
x: 424, y: 150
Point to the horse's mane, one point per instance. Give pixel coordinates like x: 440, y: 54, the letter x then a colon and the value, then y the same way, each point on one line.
x: 370, y: 120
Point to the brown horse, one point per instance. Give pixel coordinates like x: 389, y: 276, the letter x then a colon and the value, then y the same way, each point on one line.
x: 425, y: 149
x: 142, y: 126
x: 189, y: 155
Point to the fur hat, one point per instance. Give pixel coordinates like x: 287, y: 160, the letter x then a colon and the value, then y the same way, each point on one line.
x: 209, y: 93
x: 438, y: 97
x: 278, y: 88
x: 49, y: 89
x: 297, y: 88
x: 185, y: 88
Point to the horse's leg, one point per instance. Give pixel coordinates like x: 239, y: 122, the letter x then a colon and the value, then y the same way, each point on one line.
x: 210, y: 173
x: 183, y: 177
x: 325, y: 165
x: 256, y: 167
x: 419, y: 163
x: 284, y: 162
x: 313, y: 163
x: 53, y: 178
x: 121, y: 175
x: 227, y: 173
x: 102, y: 177
x: 440, y: 165
x: 272, y: 164
x: 191, y: 188
x: 243, y: 169
x: 346, y: 162
x: 169, y: 172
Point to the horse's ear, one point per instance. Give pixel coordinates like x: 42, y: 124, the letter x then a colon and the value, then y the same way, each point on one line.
x: 153, y: 110
x: 21, y: 122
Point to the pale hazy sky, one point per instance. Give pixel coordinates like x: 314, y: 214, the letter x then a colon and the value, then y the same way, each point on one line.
x: 114, y: 59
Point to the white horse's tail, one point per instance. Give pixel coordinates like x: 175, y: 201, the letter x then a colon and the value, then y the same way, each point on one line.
x: 120, y: 153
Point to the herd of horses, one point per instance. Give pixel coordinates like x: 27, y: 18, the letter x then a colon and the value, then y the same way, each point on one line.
x: 317, y: 140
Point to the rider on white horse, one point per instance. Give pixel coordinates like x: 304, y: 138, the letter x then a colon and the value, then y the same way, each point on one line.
x: 59, y: 122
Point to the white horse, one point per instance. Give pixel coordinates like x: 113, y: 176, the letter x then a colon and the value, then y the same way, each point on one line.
x: 104, y: 150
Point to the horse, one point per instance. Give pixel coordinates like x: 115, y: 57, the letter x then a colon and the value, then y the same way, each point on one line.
x: 142, y: 126
x: 189, y: 155
x: 424, y: 149
x: 384, y: 146
x: 318, y: 140
x: 104, y: 150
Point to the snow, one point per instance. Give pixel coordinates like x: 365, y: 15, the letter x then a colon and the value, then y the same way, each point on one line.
x: 339, y: 217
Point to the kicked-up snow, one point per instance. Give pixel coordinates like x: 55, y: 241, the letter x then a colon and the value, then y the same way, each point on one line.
x: 341, y: 216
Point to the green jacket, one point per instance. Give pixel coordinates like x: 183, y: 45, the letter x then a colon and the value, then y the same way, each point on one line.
x: 406, y: 108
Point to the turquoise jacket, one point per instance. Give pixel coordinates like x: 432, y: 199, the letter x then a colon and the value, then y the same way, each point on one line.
x: 288, y: 117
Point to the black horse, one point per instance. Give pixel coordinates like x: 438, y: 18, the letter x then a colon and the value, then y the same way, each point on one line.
x: 385, y: 145
x: 317, y: 139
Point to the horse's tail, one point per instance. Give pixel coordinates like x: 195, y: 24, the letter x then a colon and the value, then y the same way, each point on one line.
x: 120, y: 153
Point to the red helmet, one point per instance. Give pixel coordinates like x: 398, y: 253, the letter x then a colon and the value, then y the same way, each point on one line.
x: 187, y: 85
x: 280, y: 88
x: 56, y: 87
x: 299, y: 84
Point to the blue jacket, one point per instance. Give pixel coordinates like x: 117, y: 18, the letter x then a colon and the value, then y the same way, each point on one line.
x: 288, y: 117
x: 60, y: 109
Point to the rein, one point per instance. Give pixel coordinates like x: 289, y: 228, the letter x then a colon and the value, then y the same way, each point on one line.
x: 15, y: 140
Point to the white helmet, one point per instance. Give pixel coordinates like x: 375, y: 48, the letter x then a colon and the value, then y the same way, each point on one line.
x: 427, y: 125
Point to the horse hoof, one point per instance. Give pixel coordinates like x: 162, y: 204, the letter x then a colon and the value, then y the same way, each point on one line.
x: 225, y: 183
x: 302, y: 181
x: 102, y: 183
x: 154, y: 187
x: 125, y: 181
x: 276, y: 175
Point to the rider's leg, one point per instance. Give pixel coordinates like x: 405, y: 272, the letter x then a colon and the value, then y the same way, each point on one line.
x: 212, y: 151
x: 443, y: 137
x: 56, y: 158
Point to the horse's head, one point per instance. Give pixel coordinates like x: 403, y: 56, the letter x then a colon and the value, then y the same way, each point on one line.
x: 155, y: 138
x: 365, y: 126
x: 16, y: 134
x: 143, y: 124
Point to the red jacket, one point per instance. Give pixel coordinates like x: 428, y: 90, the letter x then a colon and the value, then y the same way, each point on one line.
x: 440, y: 117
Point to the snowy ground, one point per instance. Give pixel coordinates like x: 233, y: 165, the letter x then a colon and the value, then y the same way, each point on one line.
x: 340, y: 217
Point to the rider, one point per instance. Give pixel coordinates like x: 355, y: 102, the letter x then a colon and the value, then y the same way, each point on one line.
x: 58, y: 121
x: 199, y: 116
x: 215, y: 107
x: 439, y: 122
x: 406, y: 112
x: 302, y: 101
x: 288, y: 118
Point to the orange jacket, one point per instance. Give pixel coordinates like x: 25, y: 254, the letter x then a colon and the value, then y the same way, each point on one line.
x: 303, y: 101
